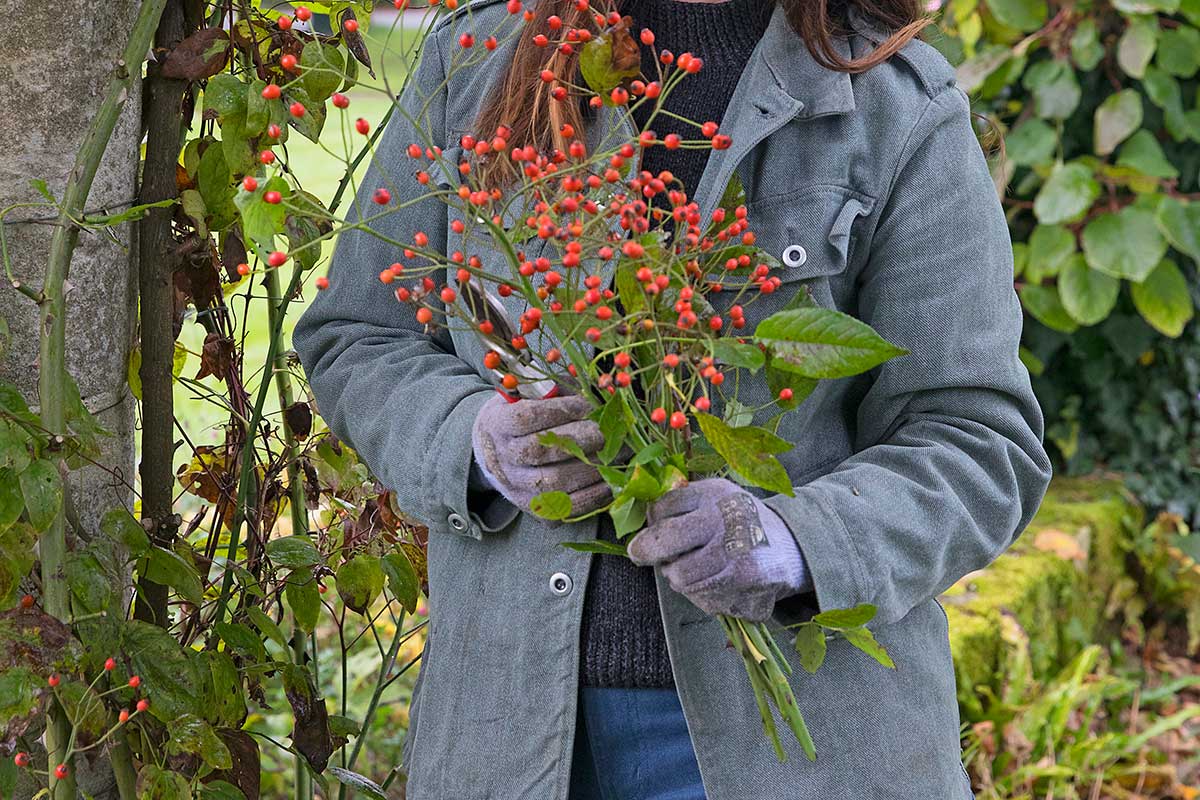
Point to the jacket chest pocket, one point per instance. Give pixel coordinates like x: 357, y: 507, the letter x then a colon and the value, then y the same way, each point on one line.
x: 812, y: 233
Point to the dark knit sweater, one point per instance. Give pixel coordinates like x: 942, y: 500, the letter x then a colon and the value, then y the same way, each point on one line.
x: 622, y: 641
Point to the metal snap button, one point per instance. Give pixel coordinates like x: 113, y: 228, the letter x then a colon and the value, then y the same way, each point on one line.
x: 457, y: 522
x: 560, y: 583
x: 794, y: 255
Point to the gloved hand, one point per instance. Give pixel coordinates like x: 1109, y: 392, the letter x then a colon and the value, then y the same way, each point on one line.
x: 518, y: 466
x: 720, y: 547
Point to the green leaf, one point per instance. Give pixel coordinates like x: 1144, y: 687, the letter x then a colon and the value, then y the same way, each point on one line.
x: 214, y: 180
x: 190, y: 734
x: 303, y: 598
x: 17, y: 543
x: 170, y: 678
x: 41, y: 486
x: 821, y: 343
x: 324, y: 70
x: 1055, y: 90
x: 1044, y: 305
x: 242, y: 640
x: 360, y: 582
x: 628, y: 517
x: 1066, y: 195
x: 738, y: 354
x: 1136, y: 46
x: 1164, y: 299
x: 258, y: 108
x: 293, y: 552
x: 12, y: 503
x: 1024, y: 15
x: 750, y: 453
x: 267, y: 626
x: 358, y: 783
x: 1032, y: 142
x: 551, y: 505
x: 156, y: 783
x: 219, y: 790
x: 598, y: 546
x: 1116, y: 118
x: 1179, y: 51
x: 120, y: 526
x: 811, y: 646
x: 310, y: 125
x: 1180, y: 223
x: 649, y: 453
x: 226, y: 706
x: 170, y: 569
x: 1143, y: 153
x: 261, y: 221
x: 1086, y: 49
x: 1126, y: 244
x: 402, y: 579
x: 90, y: 581
x: 844, y: 618
x: 564, y: 443
x: 864, y: 640
x: 596, y: 65
x: 613, y: 427
x: 1087, y: 294
x: 226, y: 95
x: 1049, y: 248
x: 642, y: 485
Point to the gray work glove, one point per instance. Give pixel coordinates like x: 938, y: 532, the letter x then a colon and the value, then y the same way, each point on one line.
x: 720, y: 547
x: 518, y: 466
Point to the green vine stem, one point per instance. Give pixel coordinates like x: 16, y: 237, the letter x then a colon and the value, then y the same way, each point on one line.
x: 52, y: 377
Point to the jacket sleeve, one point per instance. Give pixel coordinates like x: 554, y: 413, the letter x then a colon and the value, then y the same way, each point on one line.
x: 400, y: 397
x: 948, y: 465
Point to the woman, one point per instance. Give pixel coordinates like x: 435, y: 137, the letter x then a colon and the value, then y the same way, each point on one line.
x: 553, y: 674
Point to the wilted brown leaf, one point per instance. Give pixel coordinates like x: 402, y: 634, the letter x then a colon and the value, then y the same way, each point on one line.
x: 311, y: 735
x: 233, y: 254
x: 298, y: 418
x: 626, y: 53
x: 245, y: 773
x: 355, y: 44
x: 200, y: 56
x: 216, y: 358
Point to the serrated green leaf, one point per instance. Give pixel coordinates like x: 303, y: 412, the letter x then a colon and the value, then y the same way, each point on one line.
x: 191, y: 734
x: 551, y: 505
x: 1032, y: 142
x: 1056, y: 91
x: 864, y: 640
x: 628, y: 517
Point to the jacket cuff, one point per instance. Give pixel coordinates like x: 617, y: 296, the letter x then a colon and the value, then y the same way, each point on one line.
x: 834, y: 566
x: 459, y: 508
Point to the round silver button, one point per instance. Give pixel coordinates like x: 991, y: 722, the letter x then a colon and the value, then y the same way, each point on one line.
x: 457, y: 522
x: 794, y: 255
x: 560, y: 583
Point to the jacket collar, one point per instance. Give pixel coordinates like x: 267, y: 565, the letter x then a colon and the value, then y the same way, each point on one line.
x: 782, y: 64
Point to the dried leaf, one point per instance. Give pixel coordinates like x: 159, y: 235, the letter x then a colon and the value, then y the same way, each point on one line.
x: 626, y: 53
x: 1062, y: 544
x: 298, y: 417
x: 245, y: 772
x: 355, y: 44
x: 216, y: 358
x: 311, y: 735
x: 200, y: 56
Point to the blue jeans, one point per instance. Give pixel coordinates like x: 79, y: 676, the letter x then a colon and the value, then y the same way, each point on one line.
x: 633, y: 744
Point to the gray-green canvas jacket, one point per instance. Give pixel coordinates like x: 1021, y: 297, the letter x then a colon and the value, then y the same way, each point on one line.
x: 906, y: 478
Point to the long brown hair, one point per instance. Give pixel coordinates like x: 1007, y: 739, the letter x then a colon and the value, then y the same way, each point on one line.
x: 521, y: 99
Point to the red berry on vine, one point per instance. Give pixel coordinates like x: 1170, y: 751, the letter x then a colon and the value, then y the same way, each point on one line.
x: 123, y: 717
x: 273, y: 197
x: 666, y: 56
x: 271, y: 91
x: 715, y: 323
x: 653, y: 90
x: 297, y: 109
x: 382, y: 197
x: 709, y: 129
x: 466, y: 40
x: 548, y: 76
x: 678, y: 420
x: 249, y: 183
x: 514, y: 6
x: 61, y: 771
x: 277, y: 258
x: 592, y: 334
x: 509, y: 382
x: 785, y: 394
x: 387, y: 276
x: 135, y: 681
x: 285, y: 23
x: 27, y: 601
x: 448, y: 295
x: 266, y: 157
x: 142, y: 705
x: 671, y: 140
x: 21, y: 759
x: 351, y: 25
x: 53, y: 680
x: 559, y: 93
x: 362, y: 126
x: 658, y: 416
x: 274, y: 131
x: 647, y: 37
x: 340, y: 100
x: 553, y: 355
x: 288, y: 62
x: 322, y: 283
x: 702, y: 404
x: 619, y: 96
x: 491, y: 359
x: 243, y: 269
x: 303, y: 14
x: 424, y: 316
x: 490, y: 43
x: 721, y: 142
x: 110, y: 664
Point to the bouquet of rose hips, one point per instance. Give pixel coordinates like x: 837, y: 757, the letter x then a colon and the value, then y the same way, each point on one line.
x: 608, y: 285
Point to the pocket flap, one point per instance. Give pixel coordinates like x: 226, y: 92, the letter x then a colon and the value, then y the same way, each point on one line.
x: 808, y: 231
